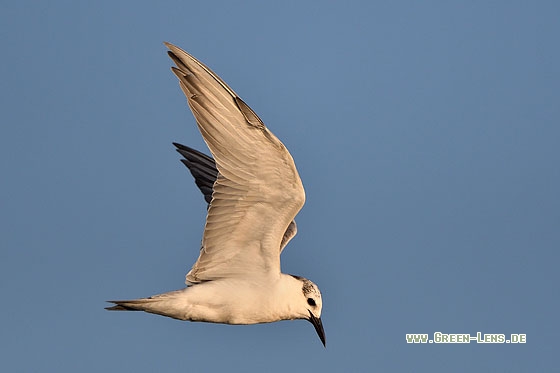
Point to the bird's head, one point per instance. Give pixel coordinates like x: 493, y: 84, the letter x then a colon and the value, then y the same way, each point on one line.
x: 310, y: 304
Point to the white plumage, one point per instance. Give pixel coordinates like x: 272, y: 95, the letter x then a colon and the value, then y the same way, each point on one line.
x: 256, y: 192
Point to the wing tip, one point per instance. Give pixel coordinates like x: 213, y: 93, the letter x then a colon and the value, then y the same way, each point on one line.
x: 179, y: 146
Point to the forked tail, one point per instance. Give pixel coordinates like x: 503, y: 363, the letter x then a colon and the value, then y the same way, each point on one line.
x: 168, y: 304
x: 126, y: 305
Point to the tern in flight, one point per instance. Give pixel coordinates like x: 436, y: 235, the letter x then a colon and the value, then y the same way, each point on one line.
x: 253, y: 192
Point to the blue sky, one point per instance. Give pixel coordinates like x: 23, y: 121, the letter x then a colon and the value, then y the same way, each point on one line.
x: 426, y: 135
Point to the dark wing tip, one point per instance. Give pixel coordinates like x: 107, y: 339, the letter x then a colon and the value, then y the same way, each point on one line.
x: 202, y: 168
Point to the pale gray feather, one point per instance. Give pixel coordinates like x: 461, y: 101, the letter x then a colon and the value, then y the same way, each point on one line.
x: 203, y: 169
x: 258, y: 190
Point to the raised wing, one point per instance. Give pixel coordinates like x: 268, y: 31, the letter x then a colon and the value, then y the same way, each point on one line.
x: 258, y: 191
x: 203, y: 169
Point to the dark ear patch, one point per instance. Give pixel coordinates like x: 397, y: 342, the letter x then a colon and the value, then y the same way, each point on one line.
x: 307, y: 287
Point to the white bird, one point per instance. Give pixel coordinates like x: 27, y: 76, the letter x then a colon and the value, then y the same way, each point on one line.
x: 254, y: 192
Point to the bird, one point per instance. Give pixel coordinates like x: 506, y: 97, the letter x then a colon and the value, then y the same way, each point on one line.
x: 254, y: 192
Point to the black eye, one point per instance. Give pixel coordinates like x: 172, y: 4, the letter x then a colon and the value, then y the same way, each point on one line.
x: 311, y: 302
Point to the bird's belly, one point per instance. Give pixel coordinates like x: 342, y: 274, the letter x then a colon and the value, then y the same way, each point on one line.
x: 228, y: 306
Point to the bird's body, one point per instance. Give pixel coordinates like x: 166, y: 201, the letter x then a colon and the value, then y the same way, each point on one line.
x: 254, y: 192
x: 227, y: 301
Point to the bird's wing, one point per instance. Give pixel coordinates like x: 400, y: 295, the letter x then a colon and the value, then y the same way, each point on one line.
x: 258, y: 191
x: 203, y: 169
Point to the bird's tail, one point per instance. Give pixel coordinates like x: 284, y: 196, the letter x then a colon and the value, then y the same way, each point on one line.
x: 161, y: 304
x: 128, y: 305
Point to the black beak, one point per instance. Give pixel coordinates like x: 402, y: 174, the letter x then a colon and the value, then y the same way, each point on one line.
x: 318, y: 324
